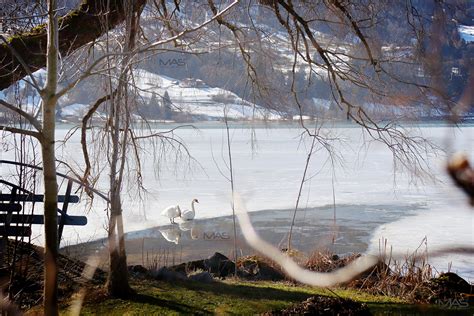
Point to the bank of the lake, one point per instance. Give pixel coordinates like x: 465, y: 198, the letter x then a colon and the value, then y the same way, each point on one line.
x: 315, y: 229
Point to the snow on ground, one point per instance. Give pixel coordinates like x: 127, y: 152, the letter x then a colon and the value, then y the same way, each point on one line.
x: 406, y: 111
x: 467, y: 32
x: 75, y: 110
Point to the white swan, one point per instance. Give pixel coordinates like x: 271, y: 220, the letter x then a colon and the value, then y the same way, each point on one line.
x: 172, y: 212
x: 172, y: 234
x: 188, y: 215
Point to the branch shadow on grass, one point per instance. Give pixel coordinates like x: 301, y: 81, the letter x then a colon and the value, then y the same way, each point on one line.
x: 178, y: 307
x: 248, y: 292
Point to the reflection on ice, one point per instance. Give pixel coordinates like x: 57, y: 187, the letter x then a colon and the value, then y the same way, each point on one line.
x: 191, y: 227
x: 185, y: 226
x: 171, y: 234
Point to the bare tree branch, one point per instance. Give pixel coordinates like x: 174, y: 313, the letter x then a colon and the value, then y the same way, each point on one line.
x: 22, y: 63
x: 33, y: 121
x: 84, y: 123
x: 94, y: 15
x: 20, y: 131
x: 355, y: 26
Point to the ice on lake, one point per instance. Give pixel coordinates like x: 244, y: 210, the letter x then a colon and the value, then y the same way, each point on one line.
x: 268, y: 166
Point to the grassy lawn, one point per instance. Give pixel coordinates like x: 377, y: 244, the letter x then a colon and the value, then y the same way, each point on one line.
x: 236, y: 297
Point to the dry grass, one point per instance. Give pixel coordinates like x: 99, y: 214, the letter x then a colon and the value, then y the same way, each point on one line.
x: 409, y: 278
x: 326, y: 261
x: 165, y: 257
x: 26, y: 290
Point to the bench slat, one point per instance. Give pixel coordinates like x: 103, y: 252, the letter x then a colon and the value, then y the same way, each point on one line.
x: 16, y: 231
x: 39, y: 219
x: 4, y: 207
x: 36, y: 198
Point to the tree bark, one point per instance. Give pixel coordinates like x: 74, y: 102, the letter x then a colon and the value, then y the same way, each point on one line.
x: 117, y: 281
x: 81, y: 26
x: 49, y: 99
x: 50, y: 216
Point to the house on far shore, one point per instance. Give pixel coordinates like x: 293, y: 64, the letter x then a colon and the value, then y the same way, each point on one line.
x: 192, y: 83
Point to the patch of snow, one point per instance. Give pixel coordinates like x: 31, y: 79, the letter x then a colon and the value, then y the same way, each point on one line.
x: 303, y: 117
x: 75, y: 110
x: 466, y: 32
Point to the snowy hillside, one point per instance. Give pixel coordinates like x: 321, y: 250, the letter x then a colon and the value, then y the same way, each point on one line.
x: 466, y: 32
x: 190, y: 96
x: 193, y: 96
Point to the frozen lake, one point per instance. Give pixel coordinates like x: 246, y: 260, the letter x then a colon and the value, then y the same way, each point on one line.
x: 268, y: 166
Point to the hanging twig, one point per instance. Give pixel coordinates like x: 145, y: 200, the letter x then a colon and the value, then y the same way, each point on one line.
x: 303, y: 180
x: 231, y: 171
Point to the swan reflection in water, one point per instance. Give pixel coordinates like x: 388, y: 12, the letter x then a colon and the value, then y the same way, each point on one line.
x: 190, y: 226
x: 171, y: 234
x: 197, y: 230
x: 174, y: 233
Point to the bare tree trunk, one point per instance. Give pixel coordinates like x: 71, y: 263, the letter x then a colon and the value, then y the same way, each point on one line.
x: 117, y: 283
x: 49, y: 99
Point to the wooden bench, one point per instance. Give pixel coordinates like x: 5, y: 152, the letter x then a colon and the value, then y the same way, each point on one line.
x: 11, y: 207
